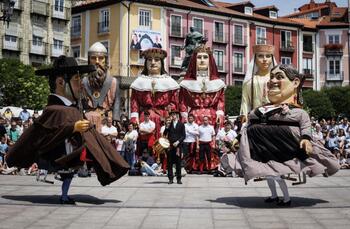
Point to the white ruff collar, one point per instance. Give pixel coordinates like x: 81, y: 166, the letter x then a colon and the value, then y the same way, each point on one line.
x: 162, y: 83
x: 201, y: 86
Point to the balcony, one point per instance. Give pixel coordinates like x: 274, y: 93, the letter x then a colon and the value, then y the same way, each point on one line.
x: 178, y: 32
x: 58, y: 50
x: 176, y: 62
x: 220, y: 38
x: 308, y: 48
x: 103, y: 27
x: 37, y: 7
x: 13, y: 29
x: 309, y: 74
x: 12, y: 43
x: 333, y: 50
x: 287, y: 46
x: 240, y: 41
x: 334, y: 76
x: 60, y: 12
x: 38, y: 47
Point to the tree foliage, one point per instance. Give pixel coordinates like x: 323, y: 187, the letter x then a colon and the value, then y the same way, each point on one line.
x: 19, y: 86
x: 318, y: 104
x: 233, y: 97
x: 340, y: 99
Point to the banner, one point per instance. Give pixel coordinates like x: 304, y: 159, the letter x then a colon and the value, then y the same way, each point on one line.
x: 143, y: 39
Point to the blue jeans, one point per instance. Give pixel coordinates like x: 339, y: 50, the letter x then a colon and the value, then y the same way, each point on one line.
x: 130, y: 158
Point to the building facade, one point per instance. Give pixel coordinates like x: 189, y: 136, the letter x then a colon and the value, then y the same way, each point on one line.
x: 39, y: 31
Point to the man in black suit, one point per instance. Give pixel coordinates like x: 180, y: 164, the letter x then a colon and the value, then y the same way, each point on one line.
x: 176, y: 134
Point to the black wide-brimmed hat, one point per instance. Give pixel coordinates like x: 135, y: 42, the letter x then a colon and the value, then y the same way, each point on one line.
x: 65, y: 66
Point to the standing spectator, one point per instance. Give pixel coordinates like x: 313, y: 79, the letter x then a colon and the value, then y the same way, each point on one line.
x: 190, y: 142
x: 8, y: 114
x: 225, y: 135
x: 120, y: 144
x: 176, y: 134
x: 20, y: 126
x: 13, y: 132
x: 24, y: 115
x: 130, y: 144
x: 109, y: 131
x: 146, y: 131
x: 206, y: 141
x: 166, y: 124
x: 3, y: 131
x: 3, y: 149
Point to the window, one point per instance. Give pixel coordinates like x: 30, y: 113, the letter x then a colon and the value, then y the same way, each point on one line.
x: 59, y: 4
x: 273, y: 14
x: 238, y: 34
x: 37, y: 41
x: 307, y: 66
x: 286, y: 60
x: 286, y: 39
x: 76, y: 26
x: 103, y: 26
x: 334, y: 67
x: 76, y: 51
x: 333, y: 39
x: 57, y: 44
x: 176, y: 55
x: 219, y: 59
x: 219, y: 31
x: 145, y: 18
x: 175, y: 26
x: 307, y: 43
x: 198, y: 25
x: 9, y: 38
x: 248, y: 10
x: 260, y: 35
x: 238, y: 62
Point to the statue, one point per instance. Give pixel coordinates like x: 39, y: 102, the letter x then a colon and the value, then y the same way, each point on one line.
x: 202, y: 94
x: 277, y: 140
x: 193, y: 39
x: 153, y: 91
x: 101, y: 89
x: 254, y: 91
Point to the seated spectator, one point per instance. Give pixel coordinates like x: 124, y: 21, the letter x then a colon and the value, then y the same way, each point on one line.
x: 20, y: 126
x: 153, y: 170
x: 35, y: 115
x: 3, y: 131
x: 3, y: 149
x: 318, y: 135
x: 344, y: 124
x: 24, y: 115
x: 225, y: 135
x: 332, y: 142
x: 13, y: 133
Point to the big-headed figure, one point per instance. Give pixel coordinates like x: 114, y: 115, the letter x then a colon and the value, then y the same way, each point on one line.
x: 202, y: 92
x: 102, y: 90
x: 153, y: 91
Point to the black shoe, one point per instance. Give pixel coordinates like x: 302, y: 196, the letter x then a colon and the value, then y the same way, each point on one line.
x: 170, y: 182
x: 271, y: 200
x: 68, y: 201
x: 179, y: 182
x: 284, y: 204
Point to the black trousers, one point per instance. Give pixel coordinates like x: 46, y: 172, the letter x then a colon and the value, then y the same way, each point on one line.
x: 204, y: 149
x: 172, y: 158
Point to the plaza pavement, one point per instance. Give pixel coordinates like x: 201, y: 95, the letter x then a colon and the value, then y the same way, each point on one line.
x: 202, y: 202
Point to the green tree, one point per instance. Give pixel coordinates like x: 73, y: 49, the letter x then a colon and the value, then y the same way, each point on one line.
x: 19, y: 86
x: 233, y: 97
x: 318, y: 104
x: 340, y: 99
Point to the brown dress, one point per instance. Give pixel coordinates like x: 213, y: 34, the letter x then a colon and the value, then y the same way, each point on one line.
x: 45, y: 141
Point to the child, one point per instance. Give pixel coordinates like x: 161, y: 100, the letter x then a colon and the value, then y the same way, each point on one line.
x: 120, y: 146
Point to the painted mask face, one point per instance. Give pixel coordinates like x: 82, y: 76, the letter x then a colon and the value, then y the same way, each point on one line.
x: 154, y: 65
x: 281, y: 88
x: 202, y: 61
x: 263, y: 61
x: 97, y: 59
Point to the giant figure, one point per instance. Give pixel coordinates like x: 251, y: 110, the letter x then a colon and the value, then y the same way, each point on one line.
x: 153, y: 91
x: 102, y: 91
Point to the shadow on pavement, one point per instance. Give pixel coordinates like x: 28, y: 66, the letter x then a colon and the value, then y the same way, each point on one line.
x: 157, y: 182
x: 258, y: 202
x: 55, y: 199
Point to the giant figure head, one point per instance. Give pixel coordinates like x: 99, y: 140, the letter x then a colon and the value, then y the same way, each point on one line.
x: 263, y: 58
x: 285, y: 85
x: 98, y: 56
x: 154, y: 62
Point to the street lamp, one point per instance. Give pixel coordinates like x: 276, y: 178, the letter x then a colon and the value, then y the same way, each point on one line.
x: 7, y: 10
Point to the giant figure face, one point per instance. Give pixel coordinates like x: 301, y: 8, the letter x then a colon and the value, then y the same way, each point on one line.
x: 281, y: 88
x: 263, y: 61
x: 202, y: 61
x: 96, y: 79
x: 154, y: 65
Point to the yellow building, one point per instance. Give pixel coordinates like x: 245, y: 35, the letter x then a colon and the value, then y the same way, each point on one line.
x: 116, y: 24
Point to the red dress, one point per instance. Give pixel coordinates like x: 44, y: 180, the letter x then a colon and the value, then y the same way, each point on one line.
x: 157, y: 95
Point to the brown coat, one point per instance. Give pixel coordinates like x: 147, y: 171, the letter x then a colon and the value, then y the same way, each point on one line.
x: 46, y: 138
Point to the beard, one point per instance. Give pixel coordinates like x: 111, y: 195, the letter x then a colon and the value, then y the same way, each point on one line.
x: 97, y: 78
